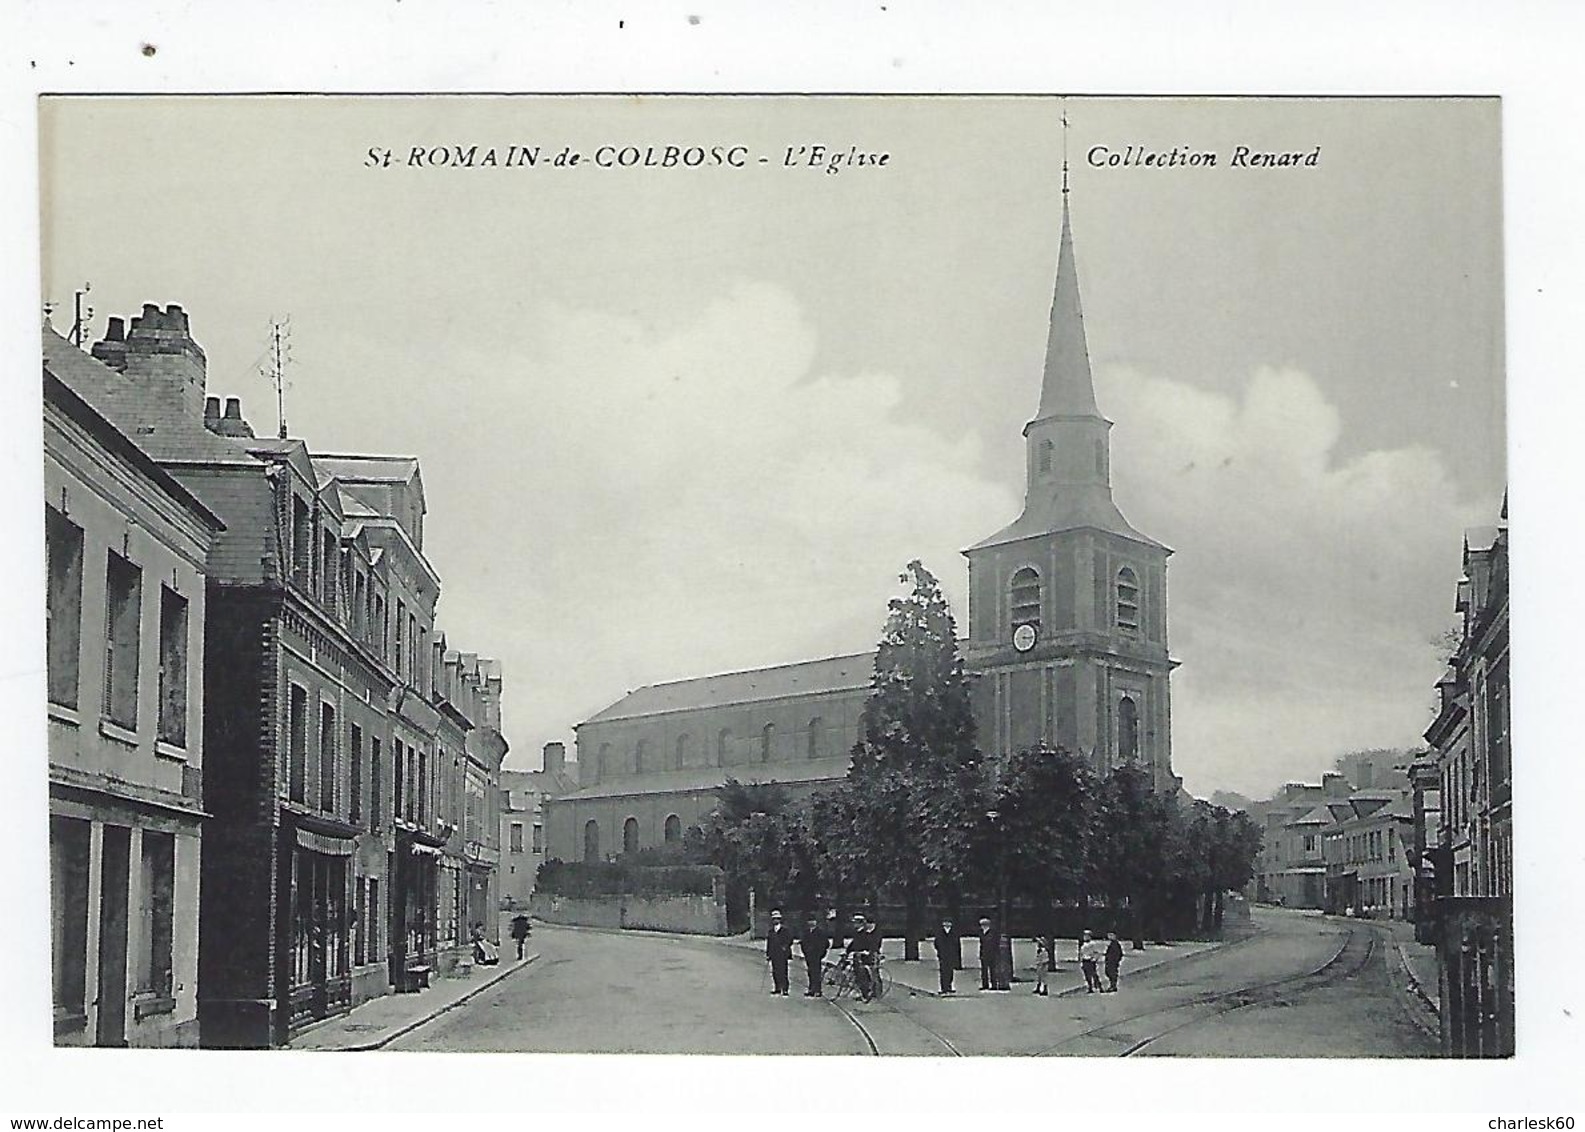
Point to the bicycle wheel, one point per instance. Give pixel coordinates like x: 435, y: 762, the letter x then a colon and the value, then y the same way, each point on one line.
x: 878, y: 979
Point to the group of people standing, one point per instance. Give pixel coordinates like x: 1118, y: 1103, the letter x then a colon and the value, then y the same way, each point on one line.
x: 864, y: 947
x: 862, y: 951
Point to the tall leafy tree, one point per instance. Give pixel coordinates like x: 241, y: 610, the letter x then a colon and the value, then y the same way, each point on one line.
x: 914, y: 772
x: 1046, y: 798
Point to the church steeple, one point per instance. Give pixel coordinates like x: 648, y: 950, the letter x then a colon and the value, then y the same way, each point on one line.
x: 1068, y: 390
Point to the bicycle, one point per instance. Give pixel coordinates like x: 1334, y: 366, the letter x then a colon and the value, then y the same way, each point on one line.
x: 841, y: 980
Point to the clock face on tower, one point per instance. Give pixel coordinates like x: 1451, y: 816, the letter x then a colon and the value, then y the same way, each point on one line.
x: 1024, y: 638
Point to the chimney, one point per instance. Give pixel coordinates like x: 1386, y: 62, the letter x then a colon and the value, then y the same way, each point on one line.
x: 1335, y: 785
x: 232, y: 423
x: 158, y: 354
x: 113, y: 349
x: 555, y: 758
x: 212, y: 414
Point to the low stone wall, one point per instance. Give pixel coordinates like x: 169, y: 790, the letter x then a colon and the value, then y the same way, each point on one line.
x: 695, y: 915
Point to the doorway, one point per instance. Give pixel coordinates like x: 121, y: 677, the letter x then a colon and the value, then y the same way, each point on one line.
x: 115, y: 863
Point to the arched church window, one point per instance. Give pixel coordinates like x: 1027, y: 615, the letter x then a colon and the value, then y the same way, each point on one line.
x: 723, y: 747
x: 767, y: 741
x: 1044, y: 459
x: 816, y: 726
x: 602, y: 762
x: 673, y: 829
x: 591, y: 840
x: 1128, y: 729
x: 1026, y: 597
x: 630, y: 835
x: 1127, y: 599
x: 683, y: 754
x: 640, y: 756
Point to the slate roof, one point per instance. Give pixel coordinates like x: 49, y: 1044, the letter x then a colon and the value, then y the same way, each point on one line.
x: 369, y: 469
x: 811, y: 677
x: 707, y: 778
x: 1066, y: 509
x: 154, y: 424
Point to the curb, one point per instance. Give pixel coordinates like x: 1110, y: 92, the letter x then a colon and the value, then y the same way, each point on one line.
x: 408, y: 1027
x: 1433, y: 1005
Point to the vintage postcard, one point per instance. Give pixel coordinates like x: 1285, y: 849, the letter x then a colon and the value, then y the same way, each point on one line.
x: 944, y: 576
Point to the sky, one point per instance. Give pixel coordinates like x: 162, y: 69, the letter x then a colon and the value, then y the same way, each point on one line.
x: 682, y: 421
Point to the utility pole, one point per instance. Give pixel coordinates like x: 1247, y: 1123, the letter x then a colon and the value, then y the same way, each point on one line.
x: 80, y: 315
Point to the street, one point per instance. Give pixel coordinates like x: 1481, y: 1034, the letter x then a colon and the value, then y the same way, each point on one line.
x: 1300, y: 986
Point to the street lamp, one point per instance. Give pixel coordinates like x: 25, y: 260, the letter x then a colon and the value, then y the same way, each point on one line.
x: 1002, y: 972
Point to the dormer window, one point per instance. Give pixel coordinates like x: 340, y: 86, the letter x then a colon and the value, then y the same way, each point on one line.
x: 1025, y: 597
x: 1127, y: 600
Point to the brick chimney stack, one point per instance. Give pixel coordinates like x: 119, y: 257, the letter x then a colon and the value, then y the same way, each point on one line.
x: 555, y: 758
x: 158, y: 353
x: 232, y: 424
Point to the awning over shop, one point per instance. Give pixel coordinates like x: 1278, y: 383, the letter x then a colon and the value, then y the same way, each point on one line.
x: 322, y: 843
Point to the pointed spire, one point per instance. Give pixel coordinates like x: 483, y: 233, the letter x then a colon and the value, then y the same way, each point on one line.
x: 1068, y: 389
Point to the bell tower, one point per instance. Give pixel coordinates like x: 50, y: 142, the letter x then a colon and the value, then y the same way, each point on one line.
x: 1067, y: 604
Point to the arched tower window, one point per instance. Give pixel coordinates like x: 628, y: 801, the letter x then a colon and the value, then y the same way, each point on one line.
x: 1026, y: 597
x: 591, y: 840
x: 767, y: 742
x: 723, y: 747
x: 1128, y: 729
x: 630, y: 835
x: 1043, y: 460
x: 816, y: 726
x: 673, y: 829
x: 683, y: 754
x: 1127, y: 599
x: 640, y: 756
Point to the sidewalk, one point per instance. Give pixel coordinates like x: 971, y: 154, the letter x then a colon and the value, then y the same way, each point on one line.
x: 382, y: 1020
x: 922, y: 977
x: 1419, y: 964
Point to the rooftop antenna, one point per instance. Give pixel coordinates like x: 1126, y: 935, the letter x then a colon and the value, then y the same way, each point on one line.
x: 280, y: 354
x: 80, y: 315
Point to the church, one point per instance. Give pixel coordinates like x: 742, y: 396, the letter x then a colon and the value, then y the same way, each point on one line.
x: 1067, y: 643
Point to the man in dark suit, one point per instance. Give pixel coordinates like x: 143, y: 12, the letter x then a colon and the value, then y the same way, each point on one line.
x: 778, y: 949
x: 949, y: 954
x: 990, y: 946
x: 864, y: 951
x: 814, y: 944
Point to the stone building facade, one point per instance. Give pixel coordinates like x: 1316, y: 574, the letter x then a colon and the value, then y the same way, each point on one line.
x: 127, y: 548
x: 340, y: 863
x: 522, y: 809
x: 1067, y: 644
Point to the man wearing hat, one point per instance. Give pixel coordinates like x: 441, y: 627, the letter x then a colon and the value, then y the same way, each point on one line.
x: 949, y: 953
x: 815, y: 944
x: 778, y: 949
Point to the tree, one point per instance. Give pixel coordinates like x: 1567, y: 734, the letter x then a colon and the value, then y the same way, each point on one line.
x: 755, y: 837
x: 1046, y: 798
x: 1129, y: 829
x: 914, y: 775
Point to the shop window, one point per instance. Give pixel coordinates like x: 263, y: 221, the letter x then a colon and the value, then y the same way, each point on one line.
x: 69, y: 841
x: 173, y: 668
x: 123, y: 612
x: 64, y: 606
x: 159, y: 914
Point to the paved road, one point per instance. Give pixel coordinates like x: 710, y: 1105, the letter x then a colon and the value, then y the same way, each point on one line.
x: 1302, y: 986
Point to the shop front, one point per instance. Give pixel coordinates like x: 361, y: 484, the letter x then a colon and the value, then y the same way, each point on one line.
x: 413, y: 908
x: 318, y: 859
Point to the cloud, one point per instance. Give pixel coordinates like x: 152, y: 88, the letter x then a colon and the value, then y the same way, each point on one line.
x: 1306, y: 588
x: 689, y: 499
